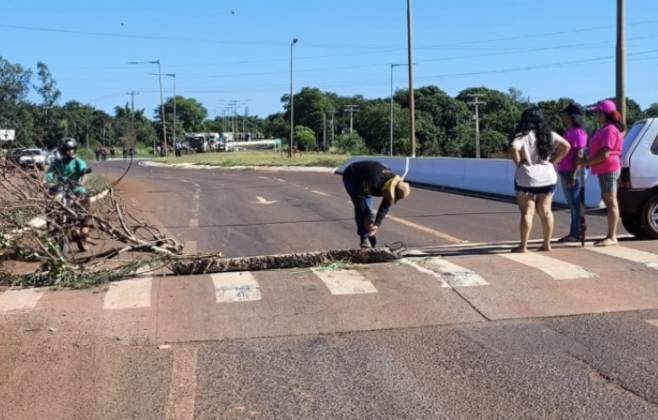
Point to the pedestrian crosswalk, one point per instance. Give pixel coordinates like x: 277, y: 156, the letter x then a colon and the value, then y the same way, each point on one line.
x: 449, y: 274
x: 131, y: 294
x: 629, y: 254
x: 556, y: 269
x: 20, y: 300
x: 235, y: 287
x: 345, y: 282
x: 472, y: 271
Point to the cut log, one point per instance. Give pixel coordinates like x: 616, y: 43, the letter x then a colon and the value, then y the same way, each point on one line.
x: 217, y: 264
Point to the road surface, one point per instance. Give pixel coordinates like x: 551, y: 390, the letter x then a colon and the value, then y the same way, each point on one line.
x: 477, y: 333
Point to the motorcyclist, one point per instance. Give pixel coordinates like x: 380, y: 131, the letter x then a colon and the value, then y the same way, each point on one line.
x: 68, y: 170
x: 70, y: 173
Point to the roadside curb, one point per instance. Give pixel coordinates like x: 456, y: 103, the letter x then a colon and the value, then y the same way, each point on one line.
x: 304, y: 169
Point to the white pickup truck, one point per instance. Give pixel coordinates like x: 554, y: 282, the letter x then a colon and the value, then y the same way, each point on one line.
x: 638, y: 192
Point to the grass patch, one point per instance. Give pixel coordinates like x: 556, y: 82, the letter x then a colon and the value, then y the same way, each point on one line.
x: 228, y: 159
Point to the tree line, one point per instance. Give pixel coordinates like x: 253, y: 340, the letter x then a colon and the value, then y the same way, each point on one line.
x: 444, y: 124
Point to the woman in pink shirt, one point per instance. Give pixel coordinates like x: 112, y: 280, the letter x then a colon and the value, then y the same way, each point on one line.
x: 605, y: 161
x: 572, y: 116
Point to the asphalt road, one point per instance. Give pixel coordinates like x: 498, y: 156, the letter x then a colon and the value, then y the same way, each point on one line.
x: 479, y: 334
x: 255, y: 213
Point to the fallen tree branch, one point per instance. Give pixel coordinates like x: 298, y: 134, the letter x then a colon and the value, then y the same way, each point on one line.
x: 217, y: 264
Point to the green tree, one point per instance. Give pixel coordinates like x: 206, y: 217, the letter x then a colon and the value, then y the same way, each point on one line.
x: 349, y: 143
x: 190, y: 115
x: 14, y: 87
x: 305, y: 138
x: 276, y: 126
x: 652, y: 111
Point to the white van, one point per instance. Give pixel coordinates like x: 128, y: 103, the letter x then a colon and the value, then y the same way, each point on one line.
x: 638, y: 192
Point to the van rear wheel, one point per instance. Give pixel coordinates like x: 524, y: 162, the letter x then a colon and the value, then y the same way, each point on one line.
x: 633, y: 225
x: 649, y: 217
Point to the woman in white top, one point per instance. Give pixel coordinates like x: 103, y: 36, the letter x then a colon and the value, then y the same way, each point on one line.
x: 535, y: 150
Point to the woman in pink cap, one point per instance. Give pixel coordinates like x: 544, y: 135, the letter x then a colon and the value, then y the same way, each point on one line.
x: 605, y: 161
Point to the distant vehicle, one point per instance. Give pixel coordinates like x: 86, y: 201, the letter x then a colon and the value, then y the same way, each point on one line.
x: 198, y: 142
x: 203, y: 142
x: 13, y: 155
x: 638, y: 194
x: 33, y: 157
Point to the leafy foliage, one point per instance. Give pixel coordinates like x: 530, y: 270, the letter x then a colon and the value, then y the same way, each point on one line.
x: 305, y: 138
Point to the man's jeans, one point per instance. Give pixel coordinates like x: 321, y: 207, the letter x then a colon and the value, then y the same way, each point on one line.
x: 353, y: 189
x: 572, y: 195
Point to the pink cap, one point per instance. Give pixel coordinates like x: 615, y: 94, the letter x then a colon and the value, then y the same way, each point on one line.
x: 607, y: 107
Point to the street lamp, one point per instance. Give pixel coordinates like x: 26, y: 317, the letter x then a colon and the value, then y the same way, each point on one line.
x: 162, y: 113
x: 391, y: 131
x: 292, y: 100
x: 410, y: 62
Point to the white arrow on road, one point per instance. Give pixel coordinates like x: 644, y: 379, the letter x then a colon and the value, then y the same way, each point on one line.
x: 262, y: 200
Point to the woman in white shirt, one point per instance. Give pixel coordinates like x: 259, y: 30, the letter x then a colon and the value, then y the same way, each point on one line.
x: 535, y: 150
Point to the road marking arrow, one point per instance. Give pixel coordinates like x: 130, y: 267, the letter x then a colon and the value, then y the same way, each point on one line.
x: 262, y: 200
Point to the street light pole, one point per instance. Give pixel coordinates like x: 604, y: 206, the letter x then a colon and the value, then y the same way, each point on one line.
x: 412, y: 105
x: 162, y: 113
x: 292, y: 101
x: 621, y: 58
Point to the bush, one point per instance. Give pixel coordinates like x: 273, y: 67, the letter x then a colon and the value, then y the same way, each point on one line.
x: 305, y: 139
x: 350, y: 143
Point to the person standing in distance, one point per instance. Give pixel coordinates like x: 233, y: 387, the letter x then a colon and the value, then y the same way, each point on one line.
x: 364, y: 180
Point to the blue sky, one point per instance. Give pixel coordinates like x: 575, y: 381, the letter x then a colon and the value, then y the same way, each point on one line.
x: 238, y: 50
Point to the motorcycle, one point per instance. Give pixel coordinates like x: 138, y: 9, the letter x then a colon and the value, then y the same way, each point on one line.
x: 68, y: 217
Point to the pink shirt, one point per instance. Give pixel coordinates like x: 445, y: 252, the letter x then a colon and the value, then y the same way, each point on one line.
x: 577, y: 138
x: 608, y: 137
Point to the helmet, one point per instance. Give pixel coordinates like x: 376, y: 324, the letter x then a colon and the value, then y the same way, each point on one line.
x: 68, y: 143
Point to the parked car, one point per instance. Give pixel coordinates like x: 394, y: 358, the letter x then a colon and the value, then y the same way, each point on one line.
x: 32, y: 157
x: 638, y: 193
x: 13, y: 155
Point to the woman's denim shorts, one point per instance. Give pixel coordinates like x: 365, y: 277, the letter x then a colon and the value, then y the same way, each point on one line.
x: 609, y: 182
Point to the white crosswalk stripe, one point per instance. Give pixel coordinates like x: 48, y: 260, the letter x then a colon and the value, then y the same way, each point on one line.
x: 20, y: 300
x: 345, y: 282
x: 557, y: 269
x: 235, y: 287
x: 448, y: 273
x: 129, y: 294
x: 630, y: 254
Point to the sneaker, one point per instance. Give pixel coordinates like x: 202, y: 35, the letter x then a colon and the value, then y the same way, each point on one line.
x: 365, y: 243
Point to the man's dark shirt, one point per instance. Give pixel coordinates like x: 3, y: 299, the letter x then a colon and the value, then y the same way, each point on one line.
x: 370, y: 176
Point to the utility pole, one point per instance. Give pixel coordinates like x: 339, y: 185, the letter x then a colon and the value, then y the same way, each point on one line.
x: 324, y: 130
x: 332, y: 126
x: 351, y: 109
x: 173, y: 76
x: 410, y: 62
x: 476, y: 102
x: 621, y: 58
x: 132, y: 94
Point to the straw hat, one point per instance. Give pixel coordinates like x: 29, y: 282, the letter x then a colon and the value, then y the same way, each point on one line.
x: 396, y: 189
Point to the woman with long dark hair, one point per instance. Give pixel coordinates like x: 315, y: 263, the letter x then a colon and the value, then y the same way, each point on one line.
x: 605, y: 161
x: 535, y: 149
x: 570, y: 172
